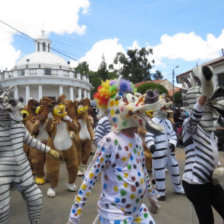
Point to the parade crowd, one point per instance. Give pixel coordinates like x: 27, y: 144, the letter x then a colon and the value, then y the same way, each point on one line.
x: 135, y: 136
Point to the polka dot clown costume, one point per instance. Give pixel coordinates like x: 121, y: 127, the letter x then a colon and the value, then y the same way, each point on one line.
x: 120, y: 161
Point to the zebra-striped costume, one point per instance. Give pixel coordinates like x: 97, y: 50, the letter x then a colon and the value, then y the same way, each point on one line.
x: 103, y: 128
x: 200, y: 149
x: 163, y: 158
x: 15, y: 168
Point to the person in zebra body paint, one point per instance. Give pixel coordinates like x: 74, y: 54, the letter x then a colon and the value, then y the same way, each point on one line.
x: 103, y: 127
x: 162, y: 146
x: 14, y: 165
x: 201, y: 144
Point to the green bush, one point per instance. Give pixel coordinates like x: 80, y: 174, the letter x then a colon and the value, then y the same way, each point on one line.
x: 144, y: 87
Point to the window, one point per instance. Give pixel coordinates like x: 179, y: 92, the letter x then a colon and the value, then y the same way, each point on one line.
x: 221, y: 79
x: 47, y: 71
x: 21, y: 72
x: 44, y: 47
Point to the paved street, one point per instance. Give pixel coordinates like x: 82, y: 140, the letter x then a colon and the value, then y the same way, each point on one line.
x: 176, y: 209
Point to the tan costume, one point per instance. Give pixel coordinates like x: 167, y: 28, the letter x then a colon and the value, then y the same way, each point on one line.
x: 84, y: 137
x: 59, y: 139
x: 37, y: 129
x: 148, y: 155
x: 28, y: 113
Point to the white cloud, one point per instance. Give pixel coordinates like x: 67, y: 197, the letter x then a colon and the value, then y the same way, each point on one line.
x: 185, y: 46
x: 107, y: 48
x: 31, y: 16
x: 189, y: 47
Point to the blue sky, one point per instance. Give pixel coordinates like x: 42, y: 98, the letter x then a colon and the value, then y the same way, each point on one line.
x: 181, y: 32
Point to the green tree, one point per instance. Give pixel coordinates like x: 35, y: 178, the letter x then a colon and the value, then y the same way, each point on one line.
x: 135, y: 66
x: 178, y: 99
x: 144, y: 87
x: 82, y: 68
x: 102, y: 70
x: 157, y: 75
x: 95, y: 80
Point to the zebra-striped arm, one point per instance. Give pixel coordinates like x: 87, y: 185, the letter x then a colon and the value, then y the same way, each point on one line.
x: 172, y: 133
x: 194, y: 118
x: 103, y: 128
x: 149, y: 139
x: 35, y: 143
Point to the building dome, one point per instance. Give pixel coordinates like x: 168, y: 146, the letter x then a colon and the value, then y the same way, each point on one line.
x: 43, y: 73
x: 42, y: 58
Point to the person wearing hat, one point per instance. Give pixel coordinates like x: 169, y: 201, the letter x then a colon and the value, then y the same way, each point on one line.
x: 162, y: 146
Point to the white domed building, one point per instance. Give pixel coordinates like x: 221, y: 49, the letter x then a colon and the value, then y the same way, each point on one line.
x: 45, y: 74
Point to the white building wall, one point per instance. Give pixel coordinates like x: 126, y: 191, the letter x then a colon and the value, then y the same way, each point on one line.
x: 34, y: 92
x: 50, y: 91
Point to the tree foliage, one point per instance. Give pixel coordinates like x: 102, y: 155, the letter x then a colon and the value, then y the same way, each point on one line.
x: 134, y: 66
x: 144, y: 87
x: 82, y: 68
x: 157, y: 75
x: 178, y: 99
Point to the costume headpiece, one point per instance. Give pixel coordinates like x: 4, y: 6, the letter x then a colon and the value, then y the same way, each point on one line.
x: 125, y: 107
x: 9, y: 106
x: 195, y: 86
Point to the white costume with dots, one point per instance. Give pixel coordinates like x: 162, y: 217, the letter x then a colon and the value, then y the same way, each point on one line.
x: 125, y: 182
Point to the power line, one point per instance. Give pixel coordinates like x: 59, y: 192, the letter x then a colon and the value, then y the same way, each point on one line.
x: 37, y: 41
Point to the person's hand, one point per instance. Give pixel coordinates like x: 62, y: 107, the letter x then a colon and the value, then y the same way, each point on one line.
x: 218, y: 175
x: 172, y: 147
x: 152, y: 148
x: 154, y: 205
x: 67, y: 118
x: 55, y: 154
x: 50, y: 115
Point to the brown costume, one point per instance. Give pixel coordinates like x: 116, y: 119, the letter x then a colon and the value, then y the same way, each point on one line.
x: 28, y: 113
x: 59, y: 139
x: 37, y: 129
x: 148, y: 155
x: 84, y: 137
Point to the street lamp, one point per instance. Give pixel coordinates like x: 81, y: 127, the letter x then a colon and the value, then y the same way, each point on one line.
x: 173, y: 71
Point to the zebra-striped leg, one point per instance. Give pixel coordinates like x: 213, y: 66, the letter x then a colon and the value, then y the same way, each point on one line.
x: 4, y: 203
x: 159, y: 165
x: 174, y: 172
x: 33, y: 196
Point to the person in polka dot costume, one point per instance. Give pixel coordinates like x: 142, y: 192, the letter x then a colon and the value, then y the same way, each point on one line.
x: 120, y: 161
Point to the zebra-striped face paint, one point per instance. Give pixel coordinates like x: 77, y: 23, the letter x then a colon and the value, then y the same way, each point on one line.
x: 9, y: 106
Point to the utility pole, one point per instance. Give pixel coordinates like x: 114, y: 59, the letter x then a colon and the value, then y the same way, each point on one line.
x: 173, y: 75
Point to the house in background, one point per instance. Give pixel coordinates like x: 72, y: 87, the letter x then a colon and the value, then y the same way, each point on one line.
x: 218, y: 66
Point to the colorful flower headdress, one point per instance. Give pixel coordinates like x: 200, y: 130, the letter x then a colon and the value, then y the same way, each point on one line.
x: 109, y: 88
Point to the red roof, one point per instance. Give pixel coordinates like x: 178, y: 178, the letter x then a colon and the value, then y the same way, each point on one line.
x: 154, y: 81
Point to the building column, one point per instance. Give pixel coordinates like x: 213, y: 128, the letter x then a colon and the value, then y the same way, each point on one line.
x: 16, y: 93
x: 88, y: 94
x: 85, y: 93
x: 40, y: 92
x: 60, y: 90
x: 79, y: 93
x: 71, y: 94
x: 27, y: 93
